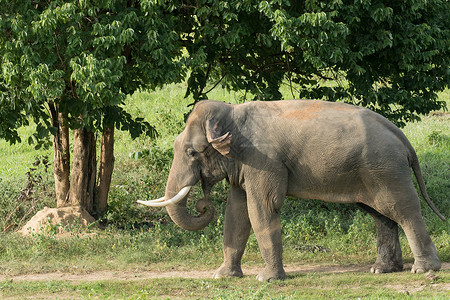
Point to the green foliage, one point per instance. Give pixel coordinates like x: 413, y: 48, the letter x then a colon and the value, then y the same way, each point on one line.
x: 392, y: 57
x: 142, y: 181
x: 306, y: 221
x: 361, y: 235
x: 45, y: 240
x: 436, y: 138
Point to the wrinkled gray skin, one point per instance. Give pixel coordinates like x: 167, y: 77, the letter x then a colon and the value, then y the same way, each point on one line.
x: 304, y: 148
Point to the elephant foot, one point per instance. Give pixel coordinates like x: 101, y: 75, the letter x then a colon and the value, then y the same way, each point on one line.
x: 268, y: 275
x: 422, y: 266
x: 378, y: 268
x: 227, y: 271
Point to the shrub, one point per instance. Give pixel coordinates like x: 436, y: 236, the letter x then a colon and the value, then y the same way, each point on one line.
x: 21, y: 200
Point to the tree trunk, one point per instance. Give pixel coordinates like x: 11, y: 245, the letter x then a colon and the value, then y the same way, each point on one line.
x: 61, y: 157
x: 83, y: 170
x: 105, y: 170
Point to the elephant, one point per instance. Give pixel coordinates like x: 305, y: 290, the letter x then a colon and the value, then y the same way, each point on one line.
x: 309, y: 149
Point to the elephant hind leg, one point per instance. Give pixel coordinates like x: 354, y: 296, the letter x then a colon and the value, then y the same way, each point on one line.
x: 389, y: 252
x: 425, y: 252
x: 404, y: 209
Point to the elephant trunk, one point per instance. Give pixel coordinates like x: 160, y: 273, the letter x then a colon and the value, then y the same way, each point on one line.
x: 179, y: 213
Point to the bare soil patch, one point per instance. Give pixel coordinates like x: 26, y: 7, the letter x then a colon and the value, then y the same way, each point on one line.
x: 151, y: 274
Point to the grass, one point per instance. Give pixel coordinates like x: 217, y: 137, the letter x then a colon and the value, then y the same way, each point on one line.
x: 297, y: 286
x: 131, y: 237
x: 16, y: 159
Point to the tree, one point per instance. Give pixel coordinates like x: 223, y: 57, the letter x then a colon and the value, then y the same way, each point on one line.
x: 68, y: 65
x: 390, y: 56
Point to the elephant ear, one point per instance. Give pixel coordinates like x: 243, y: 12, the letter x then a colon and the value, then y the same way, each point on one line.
x: 220, y: 142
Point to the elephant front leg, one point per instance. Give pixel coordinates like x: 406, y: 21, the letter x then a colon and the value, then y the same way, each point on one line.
x: 268, y: 234
x: 264, y: 205
x: 236, y: 232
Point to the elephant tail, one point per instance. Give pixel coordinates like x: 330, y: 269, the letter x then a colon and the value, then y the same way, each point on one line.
x: 418, y: 173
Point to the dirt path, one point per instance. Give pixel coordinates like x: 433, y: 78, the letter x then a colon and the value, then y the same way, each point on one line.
x: 142, y: 275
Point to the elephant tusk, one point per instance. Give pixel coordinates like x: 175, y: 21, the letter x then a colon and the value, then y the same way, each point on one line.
x: 153, y: 201
x: 160, y: 202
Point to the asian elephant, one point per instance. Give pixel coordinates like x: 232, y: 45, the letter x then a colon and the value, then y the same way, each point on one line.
x: 304, y: 148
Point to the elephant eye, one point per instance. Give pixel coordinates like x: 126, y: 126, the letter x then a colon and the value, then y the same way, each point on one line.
x: 191, y: 152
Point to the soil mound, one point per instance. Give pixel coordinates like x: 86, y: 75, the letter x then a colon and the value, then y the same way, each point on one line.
x: 49, y: 219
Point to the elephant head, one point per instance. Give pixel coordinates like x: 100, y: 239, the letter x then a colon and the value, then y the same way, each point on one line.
x: 201, y: 153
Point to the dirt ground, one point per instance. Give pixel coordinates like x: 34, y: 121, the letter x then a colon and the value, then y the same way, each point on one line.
x: 142, y: 274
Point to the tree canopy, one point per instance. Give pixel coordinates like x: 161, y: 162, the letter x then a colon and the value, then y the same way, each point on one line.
x: 390, y: 56
x: 81, y: 59
x: 84, y: 56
